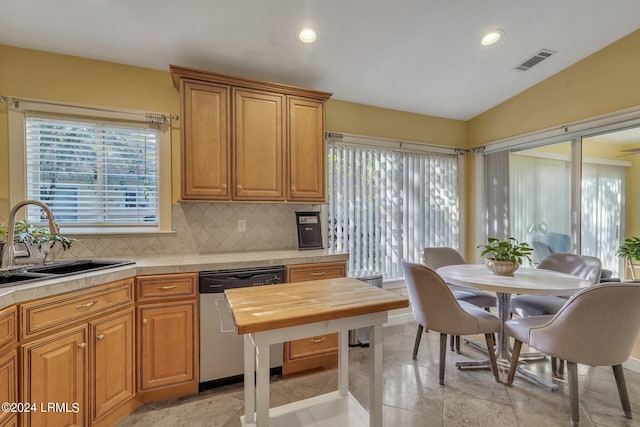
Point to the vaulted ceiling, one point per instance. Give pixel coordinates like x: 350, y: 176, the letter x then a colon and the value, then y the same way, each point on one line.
x: 422, y: 56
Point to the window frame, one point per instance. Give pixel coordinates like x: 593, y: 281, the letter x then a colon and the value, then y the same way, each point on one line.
x: 17, y: 115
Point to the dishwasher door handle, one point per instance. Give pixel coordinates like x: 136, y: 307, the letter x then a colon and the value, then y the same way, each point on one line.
x: 227, y: 323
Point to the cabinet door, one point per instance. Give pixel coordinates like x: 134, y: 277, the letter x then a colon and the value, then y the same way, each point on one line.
x: 259, y: 145
x: 54, y: 372
x: 8, y: 381
x: 112, y: 364
x: 167, y: 340
x: 307, y: 151
x: 206, y: 139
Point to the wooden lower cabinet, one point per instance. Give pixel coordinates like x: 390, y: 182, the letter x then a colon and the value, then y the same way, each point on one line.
x: 112, y: 364
x: 314, y: 352
x: 166, y: 341
x: 55, y: 372
x: 10, y: 422
x: 8, y: 382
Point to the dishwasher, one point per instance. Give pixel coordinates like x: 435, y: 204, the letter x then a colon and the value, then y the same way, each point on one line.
x: 221, y: 348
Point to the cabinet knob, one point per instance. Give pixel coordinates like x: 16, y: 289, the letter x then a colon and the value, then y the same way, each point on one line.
x: 145, y: 321
x: 82, y: 345
x: 239, y: 187
x: 100, y: 337
x: 293, y: 188
x: 224, y: 185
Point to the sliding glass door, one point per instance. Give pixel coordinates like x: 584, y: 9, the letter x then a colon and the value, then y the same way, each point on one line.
x: 607, y: 160
x: 540, y: 202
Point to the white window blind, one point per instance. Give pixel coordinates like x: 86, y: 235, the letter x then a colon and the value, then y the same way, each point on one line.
x: 93, y: 174
x: 386, y: 205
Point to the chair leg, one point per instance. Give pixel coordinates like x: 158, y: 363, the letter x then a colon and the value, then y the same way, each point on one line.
x: 452, y: 342
x: 560, y: 368
x: 492, y: 356
x: 443, y: 355
x: 417, y: 343
x: 458, y: 344
x: 572, y: 369
x: 515, y: 354
x: 622, y: 390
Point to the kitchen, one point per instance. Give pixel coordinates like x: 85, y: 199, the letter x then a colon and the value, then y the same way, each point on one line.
x: 213, y: 227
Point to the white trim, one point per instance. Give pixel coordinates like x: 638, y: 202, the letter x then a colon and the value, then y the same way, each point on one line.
x: 361, y: 140
x: 614, y: 121
x: 567, y: 158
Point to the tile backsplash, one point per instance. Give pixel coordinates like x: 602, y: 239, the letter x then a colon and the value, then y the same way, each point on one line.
x: 201, y: 228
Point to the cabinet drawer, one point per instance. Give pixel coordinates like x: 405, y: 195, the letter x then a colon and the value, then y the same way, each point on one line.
x: 325, y: 270
x: 8, y: 327
x: 63, y: 310
x: 314, y: 346
x: 151, y: 288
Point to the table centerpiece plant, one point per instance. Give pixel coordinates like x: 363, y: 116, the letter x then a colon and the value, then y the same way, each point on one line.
x: 504, y: 256
x: 630, y: 252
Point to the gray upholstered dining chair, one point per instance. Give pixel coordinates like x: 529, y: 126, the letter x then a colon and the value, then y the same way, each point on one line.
x: 587, y: 267
x: 437, y: 257
x: 585, y: 330
x: 435, y: 308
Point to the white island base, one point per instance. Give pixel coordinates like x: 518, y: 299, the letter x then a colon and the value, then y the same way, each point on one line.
x: 326, y: 410
x: 333, y: 409
x: 271, y: 315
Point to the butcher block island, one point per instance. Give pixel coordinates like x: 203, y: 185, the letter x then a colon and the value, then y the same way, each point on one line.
x: 268, y: 315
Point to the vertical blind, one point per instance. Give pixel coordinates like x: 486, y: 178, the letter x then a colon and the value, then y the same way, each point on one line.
x: 93, y: 174
x: 386, y: 205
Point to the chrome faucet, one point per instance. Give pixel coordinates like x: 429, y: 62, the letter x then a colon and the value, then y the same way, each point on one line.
x: 8, y: 258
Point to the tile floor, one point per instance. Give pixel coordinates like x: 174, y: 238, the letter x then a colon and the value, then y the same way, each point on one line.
x: 413, y: 397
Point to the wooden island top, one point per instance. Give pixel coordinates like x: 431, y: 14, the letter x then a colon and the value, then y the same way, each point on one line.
x: 262, y: 308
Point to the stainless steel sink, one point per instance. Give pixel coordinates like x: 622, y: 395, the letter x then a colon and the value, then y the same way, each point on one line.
x: 74, y: 267
x: 35, y: 273
x: 10, y: 278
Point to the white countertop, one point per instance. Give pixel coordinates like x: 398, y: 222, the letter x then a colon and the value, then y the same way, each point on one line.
x: 164, y: 264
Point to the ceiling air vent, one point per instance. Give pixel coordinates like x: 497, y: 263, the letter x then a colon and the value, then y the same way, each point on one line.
x: 535, y: 59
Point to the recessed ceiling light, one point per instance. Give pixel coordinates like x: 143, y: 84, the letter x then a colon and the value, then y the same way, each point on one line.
x: 307, y: 35
x: 491, y: 38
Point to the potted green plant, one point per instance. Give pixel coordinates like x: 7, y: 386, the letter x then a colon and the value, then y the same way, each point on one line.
x: 504, y: 256
x: 630, y: 252
x: 37, y: 241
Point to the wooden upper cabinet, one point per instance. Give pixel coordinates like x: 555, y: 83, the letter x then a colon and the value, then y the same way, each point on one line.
x: 206, y: 141
x: 307, y: 151
x: 250, y: 140
x: 259, y: 145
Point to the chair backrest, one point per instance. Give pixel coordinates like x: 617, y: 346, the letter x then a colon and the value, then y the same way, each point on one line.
x: 432, y: 302
x: 435, y: 258
x: 549, y: 243
x: 598, y: 326
x: 587, y: 267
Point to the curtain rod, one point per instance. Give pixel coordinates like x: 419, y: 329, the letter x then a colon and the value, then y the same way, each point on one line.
x: 150, y: 117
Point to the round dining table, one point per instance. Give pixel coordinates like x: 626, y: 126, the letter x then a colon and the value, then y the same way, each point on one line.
x: 525, y: 280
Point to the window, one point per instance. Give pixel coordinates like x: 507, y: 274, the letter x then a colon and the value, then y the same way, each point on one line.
x: 388, y: 204
x: 96, y: 174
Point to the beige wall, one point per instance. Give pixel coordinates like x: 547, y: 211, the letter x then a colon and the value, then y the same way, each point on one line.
x: 604, y: 82
x: 48, y: 76
x: 359, y: 119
